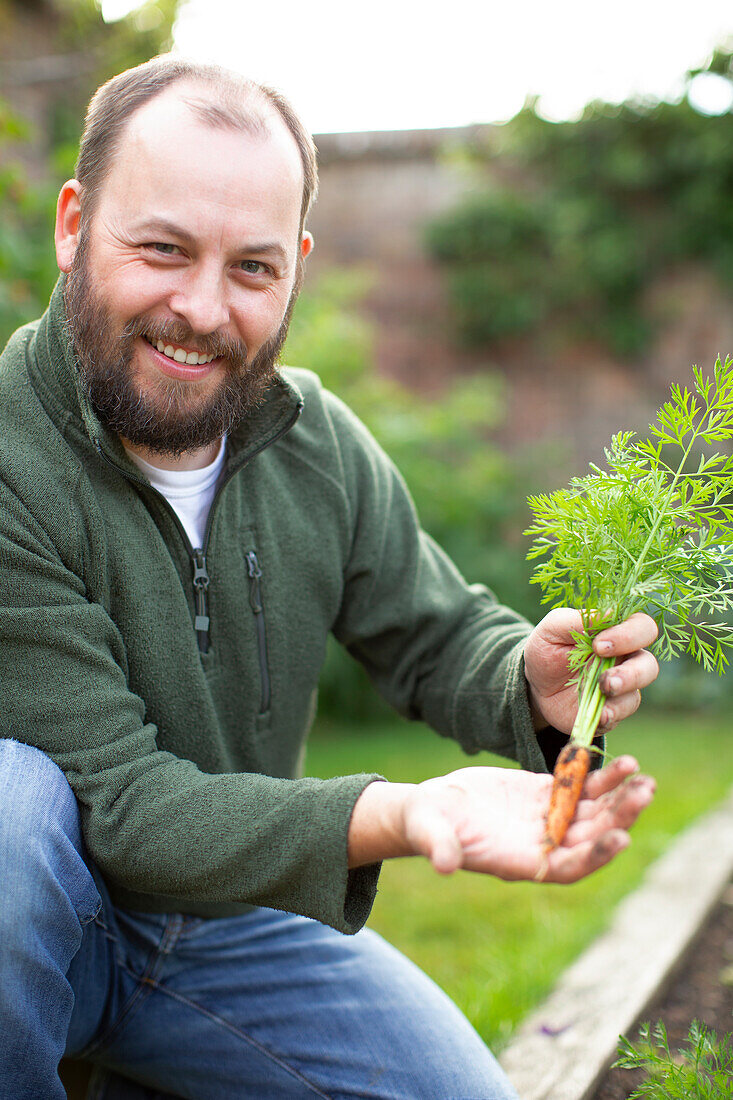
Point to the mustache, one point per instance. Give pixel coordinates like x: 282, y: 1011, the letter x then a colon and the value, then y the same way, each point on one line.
x: 171, y: 332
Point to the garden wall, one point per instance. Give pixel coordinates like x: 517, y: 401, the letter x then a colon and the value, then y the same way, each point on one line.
x: 377, y: 192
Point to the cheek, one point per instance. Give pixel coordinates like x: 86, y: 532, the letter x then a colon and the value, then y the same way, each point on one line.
x: 135, y: 288
x: 261, y: 317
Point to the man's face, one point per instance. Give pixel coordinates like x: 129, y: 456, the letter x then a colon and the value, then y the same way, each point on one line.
x: 191, y: 254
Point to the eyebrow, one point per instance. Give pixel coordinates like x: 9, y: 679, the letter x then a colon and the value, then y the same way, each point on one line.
x: 167, y: 228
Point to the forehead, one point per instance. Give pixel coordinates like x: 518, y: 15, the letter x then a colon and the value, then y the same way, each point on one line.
x: 170, y: 157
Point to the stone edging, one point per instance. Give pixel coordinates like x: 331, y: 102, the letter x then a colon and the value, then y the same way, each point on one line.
x: 563, y: 1049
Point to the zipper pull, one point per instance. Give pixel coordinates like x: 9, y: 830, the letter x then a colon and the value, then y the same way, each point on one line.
x: 255, y: 595
x: 200, y: 584
x: 255, y: 602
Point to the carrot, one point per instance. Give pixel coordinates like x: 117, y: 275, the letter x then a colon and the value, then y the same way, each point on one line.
x: 571, y: 769
x: 649, y: 533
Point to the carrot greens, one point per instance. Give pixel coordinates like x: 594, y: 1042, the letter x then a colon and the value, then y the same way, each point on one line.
x: 701, y: 1070
x: 652, y: 532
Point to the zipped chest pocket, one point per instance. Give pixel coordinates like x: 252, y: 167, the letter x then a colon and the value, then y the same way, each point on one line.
x: 254, y: 572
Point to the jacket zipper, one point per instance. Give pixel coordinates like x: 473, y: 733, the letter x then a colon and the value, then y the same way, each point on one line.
x: 197, y: 556
x: 255, y: 600
x: 201, y: 581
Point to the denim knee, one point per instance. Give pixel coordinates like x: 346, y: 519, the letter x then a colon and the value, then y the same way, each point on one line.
x: 41, y: 847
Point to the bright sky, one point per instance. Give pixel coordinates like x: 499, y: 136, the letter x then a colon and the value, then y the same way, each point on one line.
x: 386, y: 64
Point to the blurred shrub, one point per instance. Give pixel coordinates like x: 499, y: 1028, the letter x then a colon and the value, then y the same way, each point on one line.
x: 682, y: 686
x: 470, y: 496
x: 594, y: 210
x: 27, y: 260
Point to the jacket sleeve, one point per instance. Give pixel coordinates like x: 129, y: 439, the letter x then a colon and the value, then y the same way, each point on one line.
x: 438, y: 649
x: 154, y: 823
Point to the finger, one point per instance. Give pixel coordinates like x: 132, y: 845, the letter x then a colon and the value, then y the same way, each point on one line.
x: 610, y: 777
x: 557, y: 625
x: 636, y: 632
x: 632, y: 674
x: 615, y: 712
x: 618, y: 809
x: 567, y: 865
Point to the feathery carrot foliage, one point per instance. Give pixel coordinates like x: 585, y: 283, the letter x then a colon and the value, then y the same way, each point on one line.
x: 702, y: 1070
x: 652, y: 532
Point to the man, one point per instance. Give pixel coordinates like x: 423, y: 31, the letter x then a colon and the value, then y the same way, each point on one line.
x: 181, y: 525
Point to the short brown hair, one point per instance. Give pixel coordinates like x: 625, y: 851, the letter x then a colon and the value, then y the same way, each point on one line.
x: 236, y: 107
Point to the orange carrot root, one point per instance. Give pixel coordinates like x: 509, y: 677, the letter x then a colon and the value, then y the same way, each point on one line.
x: 571, y: 769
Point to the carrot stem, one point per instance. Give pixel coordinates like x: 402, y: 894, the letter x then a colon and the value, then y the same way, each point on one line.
x: 591, y: 700
x: 573, y: 763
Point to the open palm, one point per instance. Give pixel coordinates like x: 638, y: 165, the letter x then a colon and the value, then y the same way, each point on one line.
x: 492, y: 820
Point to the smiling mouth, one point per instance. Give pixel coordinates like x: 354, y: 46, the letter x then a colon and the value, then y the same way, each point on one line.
x: 180, y: 355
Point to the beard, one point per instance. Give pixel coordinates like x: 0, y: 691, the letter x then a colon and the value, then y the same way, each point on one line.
x: 164, y: 415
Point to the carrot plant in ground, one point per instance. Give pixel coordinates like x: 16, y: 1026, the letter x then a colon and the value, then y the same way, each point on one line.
x: 702, y: 1070
x: 653, y: 532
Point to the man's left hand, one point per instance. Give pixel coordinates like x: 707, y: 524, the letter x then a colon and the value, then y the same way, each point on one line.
x: 553, y: 702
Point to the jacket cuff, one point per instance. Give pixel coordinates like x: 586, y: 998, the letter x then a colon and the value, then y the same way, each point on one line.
x: 360, y: 886
x: 361, y: 890
x: 492, y: 712
x: 551, y: 741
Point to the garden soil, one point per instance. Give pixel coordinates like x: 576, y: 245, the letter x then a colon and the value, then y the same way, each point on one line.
x: 702, y: 989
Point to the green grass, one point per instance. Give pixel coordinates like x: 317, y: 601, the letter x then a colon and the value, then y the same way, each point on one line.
x: 497, y: 948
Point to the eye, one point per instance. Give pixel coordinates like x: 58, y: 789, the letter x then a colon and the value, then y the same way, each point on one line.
x: 163, y: 248
x: 254, y: 267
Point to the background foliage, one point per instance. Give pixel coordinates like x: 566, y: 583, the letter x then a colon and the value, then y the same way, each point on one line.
x: 469, y: 494
x: 27, y: 263
x: 570, y: 222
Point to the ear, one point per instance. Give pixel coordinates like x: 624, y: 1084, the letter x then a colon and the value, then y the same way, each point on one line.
x: 68, y: 212
x: 306, y: 245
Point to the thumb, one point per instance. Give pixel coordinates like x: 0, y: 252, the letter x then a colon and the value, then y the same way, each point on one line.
x: 432, y: 835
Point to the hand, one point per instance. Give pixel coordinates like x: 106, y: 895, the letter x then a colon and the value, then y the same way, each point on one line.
x: 492, y: 820
x: 553, y: 702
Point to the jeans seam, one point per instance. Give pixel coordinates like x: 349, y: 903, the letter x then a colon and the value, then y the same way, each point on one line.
x: 146, y: 984
x: 92, y: 916
x: 237, y: 1031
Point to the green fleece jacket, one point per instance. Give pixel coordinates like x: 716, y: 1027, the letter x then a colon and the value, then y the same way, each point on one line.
x: 176, y: 689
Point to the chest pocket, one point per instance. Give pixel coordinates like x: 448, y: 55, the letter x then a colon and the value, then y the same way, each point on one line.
x: 254, y: 578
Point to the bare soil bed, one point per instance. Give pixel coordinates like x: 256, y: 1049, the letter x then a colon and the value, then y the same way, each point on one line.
x: 700, y: 990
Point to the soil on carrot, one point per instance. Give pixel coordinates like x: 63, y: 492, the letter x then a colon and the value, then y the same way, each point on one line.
x: 701, y: 990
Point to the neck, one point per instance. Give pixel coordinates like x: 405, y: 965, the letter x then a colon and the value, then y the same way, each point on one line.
x: 189, y: 460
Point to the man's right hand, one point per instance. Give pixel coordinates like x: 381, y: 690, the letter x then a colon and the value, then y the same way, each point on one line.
x: 492, y: 820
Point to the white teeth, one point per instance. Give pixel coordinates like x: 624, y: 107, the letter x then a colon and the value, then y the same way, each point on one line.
x: 190, y: 358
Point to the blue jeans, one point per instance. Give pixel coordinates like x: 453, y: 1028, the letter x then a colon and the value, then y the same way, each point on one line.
x: 265, y: 1005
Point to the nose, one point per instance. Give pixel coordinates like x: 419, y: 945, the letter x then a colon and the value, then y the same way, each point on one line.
x: 200, y: 300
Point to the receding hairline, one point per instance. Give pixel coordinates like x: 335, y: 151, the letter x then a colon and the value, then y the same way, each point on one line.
x: 257, y: 116
x: 220, y: 106
x: 220, y: 98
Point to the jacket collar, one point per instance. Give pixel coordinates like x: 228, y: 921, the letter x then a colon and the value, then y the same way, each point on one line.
x: 55, y: 376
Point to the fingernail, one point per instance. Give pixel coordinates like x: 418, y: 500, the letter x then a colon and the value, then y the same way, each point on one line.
x: 604, y: 648
x: 613, y: 684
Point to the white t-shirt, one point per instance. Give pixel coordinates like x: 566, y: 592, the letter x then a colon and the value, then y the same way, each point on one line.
x: 189, y: 492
